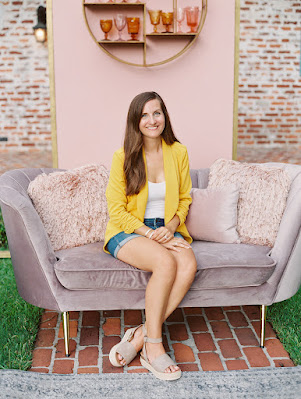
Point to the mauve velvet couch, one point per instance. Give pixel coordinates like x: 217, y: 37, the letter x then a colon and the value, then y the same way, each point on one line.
x: 86, y: 278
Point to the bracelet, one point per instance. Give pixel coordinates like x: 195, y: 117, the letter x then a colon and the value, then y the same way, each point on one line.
x: 147, y: 232
x: 151, y: 234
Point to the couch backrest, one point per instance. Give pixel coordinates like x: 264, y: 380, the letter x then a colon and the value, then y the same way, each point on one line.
x: 19, y: 179
x: 194, y: 177
x: 199, y: 177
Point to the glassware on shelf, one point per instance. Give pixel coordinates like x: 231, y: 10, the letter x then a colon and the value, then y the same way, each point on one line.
x: 192, y: 15
x: 111, y: 1
x: 155, y: 18
x: 133, y: 27
x: 180, y: 18
x: 106, y: 26
x: 120, y: 22
x: 167, y: 20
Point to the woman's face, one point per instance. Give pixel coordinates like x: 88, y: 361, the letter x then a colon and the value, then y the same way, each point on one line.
x: 152, y: 122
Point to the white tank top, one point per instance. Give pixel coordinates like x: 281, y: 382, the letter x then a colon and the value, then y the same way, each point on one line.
x: 155, y: 207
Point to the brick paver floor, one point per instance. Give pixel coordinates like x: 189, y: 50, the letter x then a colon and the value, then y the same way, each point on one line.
x: 277, y: 154
x: 25, y: 159
x: 43, y: 159
x: 198, y: 338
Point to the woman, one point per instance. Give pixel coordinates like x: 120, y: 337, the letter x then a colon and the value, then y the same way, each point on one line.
x: 148, y: 198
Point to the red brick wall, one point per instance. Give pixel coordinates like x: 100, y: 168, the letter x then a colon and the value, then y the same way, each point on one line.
x: 269, y: 77
x: 24, y: 83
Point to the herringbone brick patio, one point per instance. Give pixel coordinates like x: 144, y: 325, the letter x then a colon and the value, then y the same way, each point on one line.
x: 197, y: 338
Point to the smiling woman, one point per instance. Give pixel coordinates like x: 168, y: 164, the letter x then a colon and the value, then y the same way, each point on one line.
x: 148, y: 197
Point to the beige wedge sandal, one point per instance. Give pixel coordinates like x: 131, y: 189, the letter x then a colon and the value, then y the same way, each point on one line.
x: 160, y: 364
x: 124, y: 348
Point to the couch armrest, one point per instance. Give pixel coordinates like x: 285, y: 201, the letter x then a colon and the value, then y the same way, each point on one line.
x: 31, y: 252
x: 291, y: 278
x: 287, y: 249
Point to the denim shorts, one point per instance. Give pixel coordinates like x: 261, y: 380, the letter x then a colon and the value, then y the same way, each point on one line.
x: 117, y: 241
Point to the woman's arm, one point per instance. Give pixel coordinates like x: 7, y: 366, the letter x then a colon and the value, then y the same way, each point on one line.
x: 117, y: 200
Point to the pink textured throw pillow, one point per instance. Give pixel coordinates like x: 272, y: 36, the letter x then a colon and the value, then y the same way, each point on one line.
x: 262, y: 197
x: 212, y: 214
x: 72, y: 205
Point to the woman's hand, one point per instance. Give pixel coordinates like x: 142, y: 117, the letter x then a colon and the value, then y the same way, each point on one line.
x: 176, y: 244
x: 162, y: 234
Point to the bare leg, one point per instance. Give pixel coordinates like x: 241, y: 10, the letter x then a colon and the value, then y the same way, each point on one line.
x: 186, y: 269
x: 185, y: 273
x: 151, y: 256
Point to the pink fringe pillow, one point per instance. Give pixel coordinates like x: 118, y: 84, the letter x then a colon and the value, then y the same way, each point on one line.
x: 262, y: 197
x: 72, y: 205
x: 212, y: 215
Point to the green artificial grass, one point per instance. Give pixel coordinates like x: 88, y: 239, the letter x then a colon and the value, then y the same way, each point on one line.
x: 3, y: 239
x: 286, y: 321
x: 19, y: 323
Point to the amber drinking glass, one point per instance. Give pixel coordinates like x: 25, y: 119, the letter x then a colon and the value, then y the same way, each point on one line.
x: 106, y: 26
x: 192, y: 14
x: 133, y: 27
x: 167, y: 20
x: 155, y: 18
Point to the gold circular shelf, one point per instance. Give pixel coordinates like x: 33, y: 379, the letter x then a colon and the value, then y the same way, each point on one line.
x: 192, y: 36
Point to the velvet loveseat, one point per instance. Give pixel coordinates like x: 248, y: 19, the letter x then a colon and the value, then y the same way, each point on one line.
x: 86, y: 278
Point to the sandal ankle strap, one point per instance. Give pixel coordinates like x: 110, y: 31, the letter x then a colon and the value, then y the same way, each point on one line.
x: 152, y: 340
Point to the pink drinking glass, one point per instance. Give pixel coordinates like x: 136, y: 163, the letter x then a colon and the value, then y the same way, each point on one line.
x: 120, y: 22
x: 192, y: 14
x: 180, y: 18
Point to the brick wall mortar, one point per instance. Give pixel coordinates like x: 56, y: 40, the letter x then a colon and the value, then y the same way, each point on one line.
x: 269, y: 79
x: 24, y: 81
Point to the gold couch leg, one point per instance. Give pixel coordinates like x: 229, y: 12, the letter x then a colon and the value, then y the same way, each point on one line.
x: 66, y: 328
x: 263, y: 314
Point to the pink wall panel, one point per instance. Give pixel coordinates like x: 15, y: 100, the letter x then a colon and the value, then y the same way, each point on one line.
x: 93, y: 91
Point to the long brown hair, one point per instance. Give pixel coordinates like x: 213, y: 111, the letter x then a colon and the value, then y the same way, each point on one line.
x: 134, y: 168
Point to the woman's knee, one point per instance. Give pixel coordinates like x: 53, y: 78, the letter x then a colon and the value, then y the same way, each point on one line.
x: 166, y: 267
x: 187, y: 269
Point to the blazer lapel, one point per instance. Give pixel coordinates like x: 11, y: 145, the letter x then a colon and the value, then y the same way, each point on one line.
x: 172, y: 185
x: 143, y: 194
x: 171, y: 180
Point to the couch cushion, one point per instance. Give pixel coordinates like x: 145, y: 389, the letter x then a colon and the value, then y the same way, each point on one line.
x: 262, y: 197
x: 212, y: 215
x: 231, y: 265
x: 219, y: 266
x: 72, y: 205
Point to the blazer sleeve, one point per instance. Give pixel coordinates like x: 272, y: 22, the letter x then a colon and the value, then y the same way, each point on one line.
x: 117, y: 199
x: 185, y: 188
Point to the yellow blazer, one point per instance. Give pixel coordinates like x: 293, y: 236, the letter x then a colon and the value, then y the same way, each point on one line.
x: 127, y: 212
